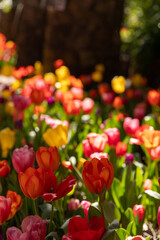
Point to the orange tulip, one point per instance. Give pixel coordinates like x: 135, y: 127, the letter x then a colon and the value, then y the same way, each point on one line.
x: 150, y: 138
x: 32, y: 182
x: 16, y: 202
x: 48, y: 158
x: 97, y: 174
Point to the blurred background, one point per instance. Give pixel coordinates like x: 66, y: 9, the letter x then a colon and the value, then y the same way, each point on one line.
x: 124, y: 35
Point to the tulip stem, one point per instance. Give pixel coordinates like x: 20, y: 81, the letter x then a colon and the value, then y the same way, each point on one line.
x: 35, y: 206
x: 26, y: 206
x: 51, y: 217
x: 101, y: 200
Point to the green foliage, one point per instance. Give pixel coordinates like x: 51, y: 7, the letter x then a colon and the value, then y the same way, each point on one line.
x: 141, y: 37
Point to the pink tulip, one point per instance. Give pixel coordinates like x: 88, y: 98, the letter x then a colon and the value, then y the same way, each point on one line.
x: 140, y: 111
x: 158, y: 217
x: 85, y: 205
x: 23, y: 158
x: 99, y: 155
x: 113, y: 135
x: 21, y: 102
x: 87, y: 105
x: 131, y: 125
x: 5, y: 207
x: 73, y: 204
x: 33, y: 228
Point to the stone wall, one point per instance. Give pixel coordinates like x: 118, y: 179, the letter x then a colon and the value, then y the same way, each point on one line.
x: 82, y: 33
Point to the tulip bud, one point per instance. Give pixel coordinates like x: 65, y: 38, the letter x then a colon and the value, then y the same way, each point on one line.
x: 73, y: 204
x: 4, y: 168
x: 87, y: 105
x: 129, y: 158
x: 131, y: 125
x: 139, y: 210
x: 147, y: 185
x: 121, y: 149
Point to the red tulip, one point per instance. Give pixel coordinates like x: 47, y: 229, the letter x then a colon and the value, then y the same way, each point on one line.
x: 48, y: 158
x: 139, y: 210
x: 4, y: 168
x: 97, y: 174
x: 121, y: 149
x: 80, y: 229
x: 153, y: 97
x: 52, y: 191
x: 135, y: 238
x: 5, y: 207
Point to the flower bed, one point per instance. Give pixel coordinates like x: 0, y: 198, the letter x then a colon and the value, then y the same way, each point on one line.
x: 77, y: 164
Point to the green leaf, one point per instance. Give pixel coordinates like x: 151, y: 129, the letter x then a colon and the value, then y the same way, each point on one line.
x: 152, y: 194
x: 122, y: 233
x: 111, y: 212
x: 94, y: 211
x: 139, y: 178
x: 118, y: 192
x: 129, y: 214
x: 131, y: 228
x: 110, y: 233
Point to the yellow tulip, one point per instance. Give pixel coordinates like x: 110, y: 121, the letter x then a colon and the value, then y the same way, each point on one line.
x: 100, y: 67
x: 6, y: 94
x: 7, y: 70
x: 38, y: 68
x: 118, y: 84
x: 56, y: 136
x: 16, y: 84
x: 97, y: 76
x: 50, y: 78
x: 9, y: 108
x: 62, y: 73
x: 7, y: 140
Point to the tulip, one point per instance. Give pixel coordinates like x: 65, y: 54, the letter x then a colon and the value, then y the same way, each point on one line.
x: 153, y: 97
x: 121, y: 149
x: 37, y: 96
x: 79, y: 227
x: 117, y: 102
x: 154, y: 153
x: 33, y: 227
x: 77, y: 93
x: 139, y: 210
x: 16, y: 202
x: 20, y: 102
x: 140, y: 111
x: 94, y: 143
x: 52, y: 190
x: 7, y: 140
x: 131, y: 125
x: 118, y: 84
x: 129, y: 158
x: 5, y: 207
x: 113, y: 135
x: 147, y: 185
x: 150, y: 138
x: 98, y: 155
x: 73, y: 204
x: 97, y: 174
x: 85, y: 205
x: 56, y: 137
x: 158, y: 217
x: 138, y: 237
x: 72, y: 106
x: 32, y: 182
x: 108, y: 97
x: 48, y: 158
x: 62, y: 73
x: 4, y: 168
x: 87, y: 105
x: 23, y: 158
x: 58, y: 63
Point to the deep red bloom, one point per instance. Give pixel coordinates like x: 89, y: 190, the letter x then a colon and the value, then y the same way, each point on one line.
x: 54, y: 191
x: 80, y: 229
x: 4, y: 168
